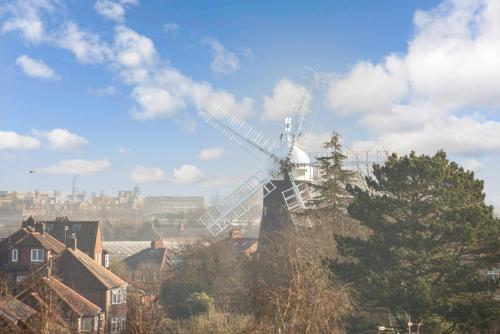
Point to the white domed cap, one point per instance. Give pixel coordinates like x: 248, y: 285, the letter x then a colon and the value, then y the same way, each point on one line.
x: 299, y: 156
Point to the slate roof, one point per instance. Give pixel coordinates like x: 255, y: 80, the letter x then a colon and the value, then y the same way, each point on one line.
x: 14, y: 310
x: 79, y: 304
x: 85, y: 232
x: 45, y: 240
x: 69, y: 258
x: 148, y: 258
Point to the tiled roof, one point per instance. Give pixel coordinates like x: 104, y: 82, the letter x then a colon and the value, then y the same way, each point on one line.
x: 147, y: 258
x: 85, y: 232
x: 70, y: 257
x: 72, y: 299
x: 43, y: 239
x: 14, y: 310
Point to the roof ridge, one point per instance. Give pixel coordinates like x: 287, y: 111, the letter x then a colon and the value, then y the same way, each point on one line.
x: 91, y: 269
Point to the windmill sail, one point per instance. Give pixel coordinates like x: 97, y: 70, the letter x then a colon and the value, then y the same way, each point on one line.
x: 236, y: 204
x: 239, y: 132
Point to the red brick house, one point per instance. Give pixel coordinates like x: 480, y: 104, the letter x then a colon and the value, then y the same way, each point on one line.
x: 28, y: 250
x: 88, y: 234
x: 94, y: 282
x: 79, y: 314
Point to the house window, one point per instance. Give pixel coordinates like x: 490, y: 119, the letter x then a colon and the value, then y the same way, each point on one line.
x: 76, y: 227
x: 493, y: 274
x: 123, y: 322
x: 116, y: 296
x: 37, y: 255
x: 20, y: 278
x: 106, y: 260
x: 15, y: 254
x: 87, y: 324
x: 114, y: 324
x: 101, y: 321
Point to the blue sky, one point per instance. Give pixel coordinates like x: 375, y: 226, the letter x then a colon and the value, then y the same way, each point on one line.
x: 110, y: 89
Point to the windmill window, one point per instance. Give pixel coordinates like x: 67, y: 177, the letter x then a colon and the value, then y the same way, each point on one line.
x: 15, y: 255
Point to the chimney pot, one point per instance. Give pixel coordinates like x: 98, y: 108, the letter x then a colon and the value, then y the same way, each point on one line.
x: 71, y: 241
x: 39, y: 227
x: 235, y: 234
x: 155, y: 244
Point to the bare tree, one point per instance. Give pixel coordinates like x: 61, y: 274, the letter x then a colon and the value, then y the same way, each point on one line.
x: 295, y: 291
x: 145, y: 315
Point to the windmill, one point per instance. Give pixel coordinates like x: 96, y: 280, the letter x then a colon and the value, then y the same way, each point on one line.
x: 283, y: 181
x: 288, y: 169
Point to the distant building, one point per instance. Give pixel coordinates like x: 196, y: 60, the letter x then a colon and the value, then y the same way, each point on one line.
x: 147, y: 268
x: 159, y: 205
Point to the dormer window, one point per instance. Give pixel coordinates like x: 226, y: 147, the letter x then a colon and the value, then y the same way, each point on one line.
x: 37, y: 255
x: 15, y: 255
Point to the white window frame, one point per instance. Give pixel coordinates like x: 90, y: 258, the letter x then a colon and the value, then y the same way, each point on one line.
x: 114, y: 325
x: 106, y: 260
x: 19, y: 278
x: 15, y: 252
x: 123, y: 322
x: 86, y: 324
x: 37, y: 252
x: 116, y: 296
x: 493, y: 274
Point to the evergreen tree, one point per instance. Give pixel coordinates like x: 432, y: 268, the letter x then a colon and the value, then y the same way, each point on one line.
x: 332, y: 196
x: 431, y: 235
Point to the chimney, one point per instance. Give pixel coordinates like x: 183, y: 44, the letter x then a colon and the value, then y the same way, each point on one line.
x: 155, y: 244
x: 71, y: 242
x: 39, y: 227
x: 235, y: 234
x: 30, y: 222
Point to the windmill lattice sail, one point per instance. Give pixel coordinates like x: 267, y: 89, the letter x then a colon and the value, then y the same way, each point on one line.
x: 236, y: 204
x: 239, y: 131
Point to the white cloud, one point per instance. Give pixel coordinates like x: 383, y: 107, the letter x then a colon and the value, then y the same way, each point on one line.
x: 210, y: 153
x: 10, y: 140
x: 77, y: 167
x: 114, y: 10
x: 154, y: 101
x: 187, y: 174
x: 36, y: 68
x: 104, y: 91
x: 430, y: 97
x: 223, y: 61
x: 86, y: 46
x: 25, y: 17
x: 143, y: 174
x: 62, y: 139
x: 136, y: 60
x: 473, y: 165
x: 126, y: 152
x: 171, y: 27
x: 280, y: 104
